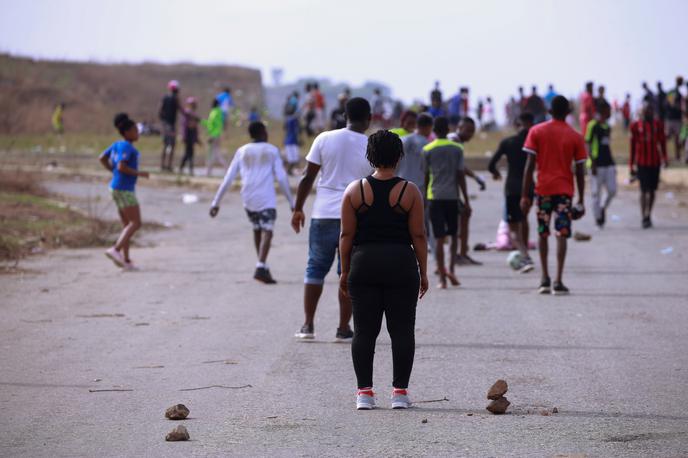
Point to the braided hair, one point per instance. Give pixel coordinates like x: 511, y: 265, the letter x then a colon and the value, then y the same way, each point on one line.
x: 384, y: 149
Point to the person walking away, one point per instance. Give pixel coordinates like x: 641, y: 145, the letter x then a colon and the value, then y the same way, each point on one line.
x: 600, y: 100
x: 674, y: 116
x: 308, y: 110
x: 626, y: 112
x: 226, y: 103
x: 489, y: 123
x: 58, y: 119
x: 338, y: 115
x: 260, y: 165
x: 553, y: 146
x: 412, y: 164
x: 214, y: 127
x: 602, y: 166
x: 587, y: 107
x: 444, y: 177
x: 190, y: 122
x: 512, y: 148
x: 254, y: 115
x: 536, y: 106
x: 648, y: 153
x: 378, y: 107
x: 549, y: 96
x: 479, y: 113
x: 649, y: 96
x: 408, y: 124
x: 339, y: 156
x: 122, y: 159
x: 169, y: 108
x: 384, y: 266
x: 661, y: 103
x: 463, y: 135
x: 291, y: 143
x: 319, y: 101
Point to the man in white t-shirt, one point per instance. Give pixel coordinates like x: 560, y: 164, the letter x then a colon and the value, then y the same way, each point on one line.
x: 340, y: 158
x: 259, y: 164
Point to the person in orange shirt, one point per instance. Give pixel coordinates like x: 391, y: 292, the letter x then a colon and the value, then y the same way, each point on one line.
x: 552, y: 146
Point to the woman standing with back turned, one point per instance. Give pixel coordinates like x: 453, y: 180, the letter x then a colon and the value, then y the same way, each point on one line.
x: 384, y: 265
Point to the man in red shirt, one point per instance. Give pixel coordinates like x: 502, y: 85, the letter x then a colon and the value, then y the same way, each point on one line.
x: 648, y: 152
x: 552, y: 146
x: 587, y: 107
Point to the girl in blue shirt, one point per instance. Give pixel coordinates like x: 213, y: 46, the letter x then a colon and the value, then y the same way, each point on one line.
x: 122, y: 159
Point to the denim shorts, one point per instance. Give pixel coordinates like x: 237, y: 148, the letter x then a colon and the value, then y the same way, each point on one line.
x: 323, y: 244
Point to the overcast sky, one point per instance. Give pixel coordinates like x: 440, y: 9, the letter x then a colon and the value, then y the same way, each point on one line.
x: 491, y: 46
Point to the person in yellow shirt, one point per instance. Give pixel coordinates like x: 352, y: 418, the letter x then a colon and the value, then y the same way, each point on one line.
x: 57, y: 118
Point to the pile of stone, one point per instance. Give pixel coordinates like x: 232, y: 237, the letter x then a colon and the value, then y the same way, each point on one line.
x: 495, y: 394
x: 179, y: 433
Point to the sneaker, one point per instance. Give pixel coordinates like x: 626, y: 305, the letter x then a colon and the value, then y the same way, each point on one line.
x: 305, y: 333
x: 545, y: 286
x: 263, y: 275
x: 365, y: 399
x: 344, y: 335
x: 603, y: 217
x: 647, y: 222
x: 559, y: 289
x: 400, y: 399
x: 115, y: 256
x: 526, y: 265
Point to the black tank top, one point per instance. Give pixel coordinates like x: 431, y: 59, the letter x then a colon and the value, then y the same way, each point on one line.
x: 381, y: 223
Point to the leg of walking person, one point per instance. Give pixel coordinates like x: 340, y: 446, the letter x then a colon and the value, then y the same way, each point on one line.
x: 596, y: 180
x: 367, y: 308
x: 400, y: 313
x: 610, y: 184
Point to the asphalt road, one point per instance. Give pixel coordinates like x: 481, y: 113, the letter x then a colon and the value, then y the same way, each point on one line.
x: 612, y: 357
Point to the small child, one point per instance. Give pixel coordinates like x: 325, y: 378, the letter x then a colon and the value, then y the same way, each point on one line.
x: 259, y: 164
x: 190, y: 122
x: 291, y: 143
x: 122, y: 159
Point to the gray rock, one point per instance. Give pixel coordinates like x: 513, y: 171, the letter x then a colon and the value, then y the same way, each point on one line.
x: 179, y: 433
x: 177, y: 412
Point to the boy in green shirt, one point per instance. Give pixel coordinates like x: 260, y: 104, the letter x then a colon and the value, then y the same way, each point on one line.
x: 601, y: 163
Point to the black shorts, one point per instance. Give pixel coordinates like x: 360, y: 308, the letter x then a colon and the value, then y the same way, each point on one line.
x: 648, y: 178
x: 512, y: 209
x: 444, y: 216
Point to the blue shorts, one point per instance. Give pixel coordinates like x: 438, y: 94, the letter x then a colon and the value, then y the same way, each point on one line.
x: 323, y: 244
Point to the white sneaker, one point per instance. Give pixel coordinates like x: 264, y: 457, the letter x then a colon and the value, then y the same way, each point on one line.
x: 400, y: 399
x: 115, y: 256
x: 365, y: 399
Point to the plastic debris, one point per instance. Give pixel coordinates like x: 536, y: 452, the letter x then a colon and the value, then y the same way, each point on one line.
x: 189, y: 198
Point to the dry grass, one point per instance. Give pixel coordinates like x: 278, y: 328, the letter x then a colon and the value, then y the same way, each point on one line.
x: 32, y: 220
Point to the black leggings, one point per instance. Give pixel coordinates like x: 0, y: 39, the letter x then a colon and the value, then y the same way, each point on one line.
x: 383, y: 279
x: 188, y: 156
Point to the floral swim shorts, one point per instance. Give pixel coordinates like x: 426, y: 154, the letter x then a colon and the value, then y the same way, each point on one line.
x: 560, y: 206
x: 124, y: 199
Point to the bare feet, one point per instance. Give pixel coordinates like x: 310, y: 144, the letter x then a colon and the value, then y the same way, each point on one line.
x: 452, y: 279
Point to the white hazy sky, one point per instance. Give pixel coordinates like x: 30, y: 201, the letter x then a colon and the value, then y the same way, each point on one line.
x: 491, y: 46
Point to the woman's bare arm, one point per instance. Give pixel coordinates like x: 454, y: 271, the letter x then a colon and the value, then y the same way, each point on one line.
x: 416, y: 226
x: 346, y: 237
